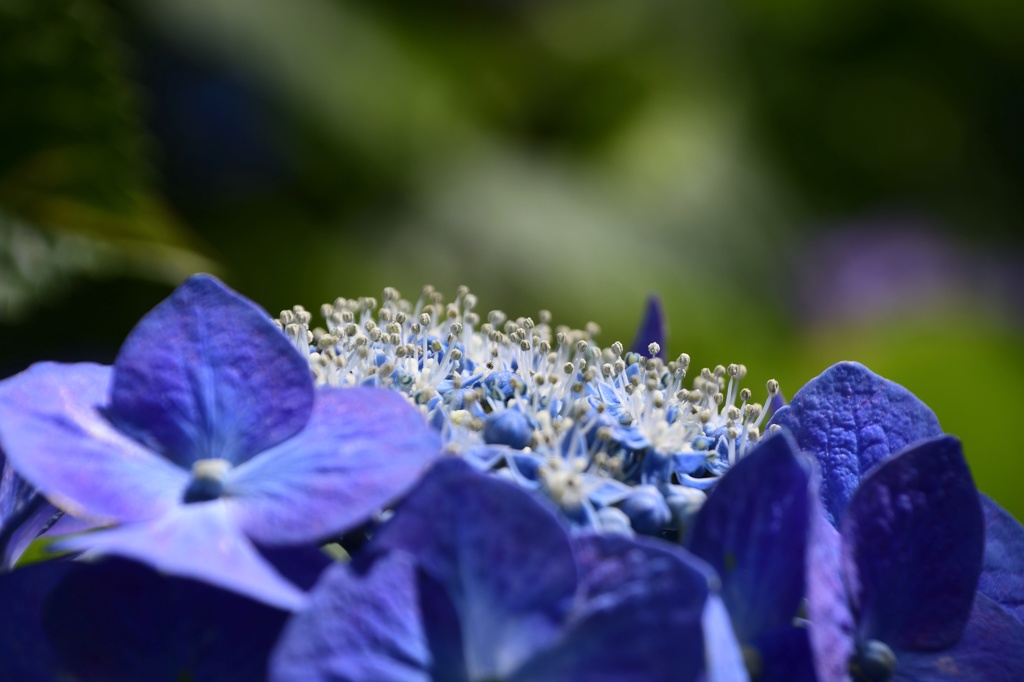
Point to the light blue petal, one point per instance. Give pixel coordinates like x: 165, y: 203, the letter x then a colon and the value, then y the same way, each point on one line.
x: 360, y: 451
x: 722, y: 650
x: 56, y: 437
x: 196, y: 541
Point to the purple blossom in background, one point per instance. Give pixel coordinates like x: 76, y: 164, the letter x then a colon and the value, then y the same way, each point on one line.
x: 896, y: 265
x: 474, y: 579
x: 205, y: 436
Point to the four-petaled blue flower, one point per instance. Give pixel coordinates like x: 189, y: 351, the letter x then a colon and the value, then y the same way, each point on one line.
x: 207, y: 436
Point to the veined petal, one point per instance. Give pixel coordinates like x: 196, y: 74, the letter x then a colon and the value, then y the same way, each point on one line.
x: 637, y: 616
x: 358, y: 627
x: 851, y: 419
x: 361, y: 450
x: 119, y: 620
x: 57, y: 438
x: 990, y: 650
x: 1002, y: 574
x: 753, y: 532
x: 503, y: 559
x: 207, y: 375
x: 197, y: 541
x: 913, y: 539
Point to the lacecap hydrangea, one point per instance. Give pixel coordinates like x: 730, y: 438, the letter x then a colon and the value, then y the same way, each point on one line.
x: 414, y: 491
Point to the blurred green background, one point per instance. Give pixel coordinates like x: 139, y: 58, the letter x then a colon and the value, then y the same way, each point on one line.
x: 802, y: 181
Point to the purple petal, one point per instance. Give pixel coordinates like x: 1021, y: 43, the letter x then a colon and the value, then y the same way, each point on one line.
x: 196, y: 541
x: 831, y: 622
x: 1002, y: 574
x: 24, y: 514
x: 357, y: 627
x: 851, y: 419
x: 361, y: 450
x: 502, y: 558
x: 991, y: 650
x: 637, y: 616
x: 753, y: 531
x: 58, y: 440
x: 18, y: 532
x: 207, y: 375
x: 25, y: 649
x: 118, y: 620
x: 913, y: 539
x: 652, y: 329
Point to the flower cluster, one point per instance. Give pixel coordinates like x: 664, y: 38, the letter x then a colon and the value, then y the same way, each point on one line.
x: 412, y: 493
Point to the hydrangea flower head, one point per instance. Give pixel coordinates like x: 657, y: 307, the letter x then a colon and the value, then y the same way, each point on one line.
x: 617, y: 438
x: 207, y: 434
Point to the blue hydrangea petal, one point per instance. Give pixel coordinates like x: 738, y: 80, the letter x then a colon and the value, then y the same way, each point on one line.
x: 207, y: 375
x: 25, y: 649
x: 503, y: 559
x: 57, y: 439
x: 362, y: 448
x: 652, y: 329
x: 724, y: 659
x: 1002, y: 574
x: 913, y: 540
x: 831, y: 628
x: 753, y: 531
x: 358, y: 627
x: 119, y: 620
x: 197, y: 541
x: 638, y: 616
x: 785, y: 656
x: 990, y: 650
x: 851, y: 419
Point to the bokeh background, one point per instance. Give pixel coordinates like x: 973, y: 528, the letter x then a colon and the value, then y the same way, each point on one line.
x: 802, y: 181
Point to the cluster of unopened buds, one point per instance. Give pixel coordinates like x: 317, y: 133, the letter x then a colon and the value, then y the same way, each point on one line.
x: 414, y: 492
